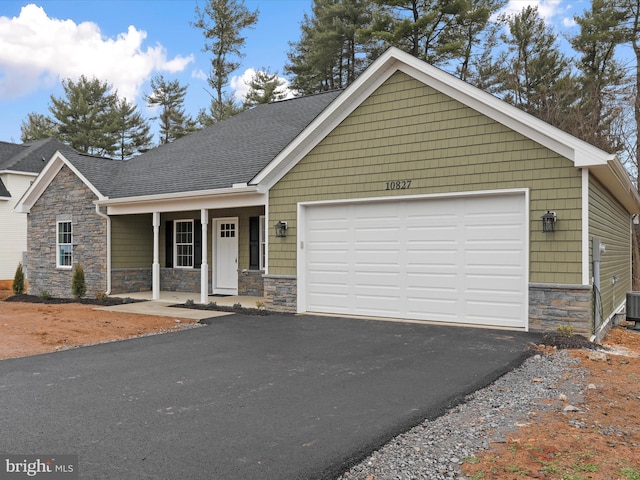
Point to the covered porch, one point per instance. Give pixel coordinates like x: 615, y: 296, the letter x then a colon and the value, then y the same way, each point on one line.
x: 209, y: 247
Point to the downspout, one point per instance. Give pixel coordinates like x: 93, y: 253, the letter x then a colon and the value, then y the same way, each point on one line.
x: 108, y: 219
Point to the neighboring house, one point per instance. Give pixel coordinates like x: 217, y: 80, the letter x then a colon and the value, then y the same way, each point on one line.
x: 410, y: 195
x: 20, y: 164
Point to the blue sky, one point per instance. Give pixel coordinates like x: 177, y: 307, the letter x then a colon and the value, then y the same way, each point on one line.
x: 126, y: 42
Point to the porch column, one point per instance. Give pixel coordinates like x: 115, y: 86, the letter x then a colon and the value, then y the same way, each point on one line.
x: 204, y: 267
x: 155, y: 271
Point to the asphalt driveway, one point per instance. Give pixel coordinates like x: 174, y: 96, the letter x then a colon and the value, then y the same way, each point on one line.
x: 277, y: 397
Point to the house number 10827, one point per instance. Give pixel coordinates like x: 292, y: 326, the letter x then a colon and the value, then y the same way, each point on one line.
x: 398, y: 185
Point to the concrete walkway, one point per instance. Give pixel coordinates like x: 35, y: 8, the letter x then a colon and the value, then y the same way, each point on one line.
x: 163, y: 308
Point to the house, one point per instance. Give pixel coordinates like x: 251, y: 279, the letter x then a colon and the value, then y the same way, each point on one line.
x: 410, y: 195
x: 20, y: 164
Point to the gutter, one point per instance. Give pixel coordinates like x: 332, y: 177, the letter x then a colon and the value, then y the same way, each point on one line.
x: 108, y: 219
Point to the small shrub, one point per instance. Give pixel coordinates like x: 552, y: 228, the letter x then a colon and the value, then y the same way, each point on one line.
x: 237, y: 306
x: 78, y: 283
x: 102, y: 297
x: 212, y: 305
x: 189, y: 302
x: 259, y: 304
x: 18, y: 281
x: 44, y: 294
x: 565, y: 330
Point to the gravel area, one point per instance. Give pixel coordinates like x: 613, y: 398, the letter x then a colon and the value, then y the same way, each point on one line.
x: 437, y: 448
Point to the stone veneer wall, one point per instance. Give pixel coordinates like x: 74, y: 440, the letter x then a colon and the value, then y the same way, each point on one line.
x: 550, y: 305
x: 128, y: 280
x: 553, y: 305
x: 280, y: 292
x: 66, y: 198
x: 181, y: 280
x: 251, y: 283
x: 124, y: 280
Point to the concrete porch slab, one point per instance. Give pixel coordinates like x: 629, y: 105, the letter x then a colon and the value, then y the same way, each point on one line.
x: 162, y: 306
x: 161, y: 309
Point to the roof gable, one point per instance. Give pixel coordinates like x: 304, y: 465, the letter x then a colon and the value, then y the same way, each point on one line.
x: 606, y: 167
x: 29, y: 157
x: 79, y: 164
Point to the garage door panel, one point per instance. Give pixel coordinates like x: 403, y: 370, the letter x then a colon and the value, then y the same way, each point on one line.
x: 446, y: 259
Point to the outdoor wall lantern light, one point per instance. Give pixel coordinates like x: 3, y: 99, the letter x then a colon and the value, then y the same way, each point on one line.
x: 548, y: 222
x: 281, y: 229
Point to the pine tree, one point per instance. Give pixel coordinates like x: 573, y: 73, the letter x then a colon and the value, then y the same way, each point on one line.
x: 264, y: 87
x: 37, y: 127
x: 472, y: 24
x: 333, y: 46
x: 222, y: 23
x: 427, y: 29
x: 169, y: 97
x: 86, y: 118
x: 133, y: 133
x: 601, y: 75
x: 535, y: 75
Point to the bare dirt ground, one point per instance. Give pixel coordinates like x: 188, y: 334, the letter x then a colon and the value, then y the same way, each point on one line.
x: 595, y: 435
x: 33, y: 328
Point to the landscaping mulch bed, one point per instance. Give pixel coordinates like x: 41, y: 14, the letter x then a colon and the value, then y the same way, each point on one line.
x: 106, y: 302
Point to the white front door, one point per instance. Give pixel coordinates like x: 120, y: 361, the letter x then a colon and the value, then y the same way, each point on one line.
x: 225, y: 261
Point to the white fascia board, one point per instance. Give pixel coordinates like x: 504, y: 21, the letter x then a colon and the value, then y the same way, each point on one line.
x: 40, y: 184
x: 44, y: 179
x: 17, y: 172
x: 615, y: 179
x: 235, y: 197
x: 564, y: 144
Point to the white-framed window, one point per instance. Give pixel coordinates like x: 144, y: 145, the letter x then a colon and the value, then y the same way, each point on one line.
x: 64, y: 244
x: 183, y: 241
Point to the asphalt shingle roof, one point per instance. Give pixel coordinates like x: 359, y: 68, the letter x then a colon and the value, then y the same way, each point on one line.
x: 230, y: 152
x: 29, y: 157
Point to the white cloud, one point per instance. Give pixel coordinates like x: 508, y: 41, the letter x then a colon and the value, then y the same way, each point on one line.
x: 547, y: 8
x: 199, y: 74
x: 240, y: 84
x: 37, y: 51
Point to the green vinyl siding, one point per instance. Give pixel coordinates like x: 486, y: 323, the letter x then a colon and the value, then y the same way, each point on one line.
x: 131, y: 241
x: 408, y: 131
x: 610, y: 222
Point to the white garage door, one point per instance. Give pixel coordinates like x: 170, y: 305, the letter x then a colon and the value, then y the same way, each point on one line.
x: 458, y: 259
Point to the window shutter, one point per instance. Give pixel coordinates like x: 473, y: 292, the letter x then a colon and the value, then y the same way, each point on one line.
x: 254, y: 243
x: 197, y: 244
x: 168, y: 244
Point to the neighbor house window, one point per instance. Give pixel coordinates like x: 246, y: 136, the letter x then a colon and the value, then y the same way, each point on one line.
x: 257, y: 243
x: 64, y: 245
x: 184, y: 243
